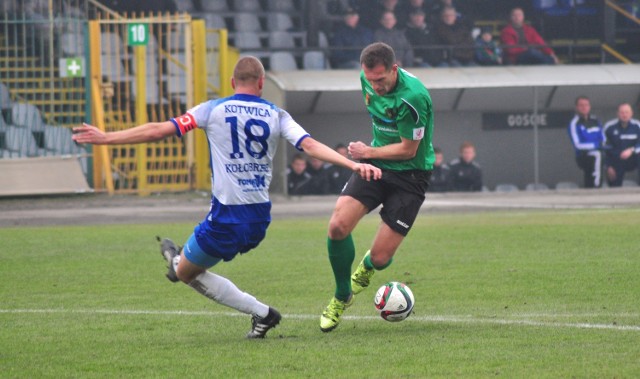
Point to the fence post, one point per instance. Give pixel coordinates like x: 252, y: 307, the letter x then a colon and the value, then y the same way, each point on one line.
x: 101, y: 163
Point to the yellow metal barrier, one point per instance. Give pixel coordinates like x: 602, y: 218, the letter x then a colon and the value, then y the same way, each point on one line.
x: 162, y: 78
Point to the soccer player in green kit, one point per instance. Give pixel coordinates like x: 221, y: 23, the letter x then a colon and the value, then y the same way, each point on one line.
x: 402, y: 121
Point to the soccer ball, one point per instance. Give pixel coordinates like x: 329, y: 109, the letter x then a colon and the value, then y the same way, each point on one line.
x: 394, y: 301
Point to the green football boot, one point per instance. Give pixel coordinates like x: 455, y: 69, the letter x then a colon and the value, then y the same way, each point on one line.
x: 361, y: 277
x: 331, y: 316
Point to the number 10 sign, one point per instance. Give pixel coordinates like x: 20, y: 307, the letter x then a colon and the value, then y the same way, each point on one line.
x: 138, y: 34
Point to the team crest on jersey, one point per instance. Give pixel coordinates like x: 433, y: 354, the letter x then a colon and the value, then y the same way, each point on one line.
x: 367, y: 99
x: 390, y: 113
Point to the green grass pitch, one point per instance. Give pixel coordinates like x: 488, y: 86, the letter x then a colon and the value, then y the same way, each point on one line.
x: 520, y: 294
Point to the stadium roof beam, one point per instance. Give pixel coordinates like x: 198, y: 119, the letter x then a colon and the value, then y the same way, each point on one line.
x: 466, y: 89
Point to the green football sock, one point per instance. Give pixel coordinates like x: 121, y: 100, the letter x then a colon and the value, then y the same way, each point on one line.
x: 341, y: 255
x: 370, y: 266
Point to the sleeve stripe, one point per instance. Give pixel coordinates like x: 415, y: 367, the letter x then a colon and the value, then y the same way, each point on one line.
x: 413, y: 110
x: 175, y: 123
x: 300, y: 141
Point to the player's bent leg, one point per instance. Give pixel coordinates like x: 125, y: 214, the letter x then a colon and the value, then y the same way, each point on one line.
x: 378, y: 258
x: 385, y: 245
x: 331, y: 315
x: 192, y: 269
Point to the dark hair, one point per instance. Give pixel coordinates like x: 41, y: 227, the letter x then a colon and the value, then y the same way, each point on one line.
x: 437, y: 150
x: 378, y: 53
x: 298, y: 157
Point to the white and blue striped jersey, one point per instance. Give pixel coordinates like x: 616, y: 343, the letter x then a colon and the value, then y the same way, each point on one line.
x: 243, y: 132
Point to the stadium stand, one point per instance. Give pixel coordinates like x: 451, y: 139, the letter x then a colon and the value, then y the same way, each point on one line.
x: 246, y: 5
x: 281, y: 40
x: 278, y: 27
x: 246, y: 22
x: 279, y: 21
x: 214, y: 6
x: 314, y: 60
x: 282, y: 61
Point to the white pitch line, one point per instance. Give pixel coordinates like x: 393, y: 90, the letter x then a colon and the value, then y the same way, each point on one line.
x: 425, y: 319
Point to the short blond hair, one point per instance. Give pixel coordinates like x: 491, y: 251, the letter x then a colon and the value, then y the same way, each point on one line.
x: 248, y: 69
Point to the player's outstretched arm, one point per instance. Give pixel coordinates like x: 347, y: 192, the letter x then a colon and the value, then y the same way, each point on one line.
x: 323, y: 152
x: 150, y: 132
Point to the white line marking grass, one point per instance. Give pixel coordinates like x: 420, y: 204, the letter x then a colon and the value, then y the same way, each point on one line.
x: 424, y: 319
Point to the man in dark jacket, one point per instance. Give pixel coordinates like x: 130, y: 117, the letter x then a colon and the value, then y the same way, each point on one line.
x: 348, y: 40
x: 455, y: 33
x: 622, y: 145
x: 466, y: 174
x: 421, y: 38
x: 298, y: 179
x: 440, y: 175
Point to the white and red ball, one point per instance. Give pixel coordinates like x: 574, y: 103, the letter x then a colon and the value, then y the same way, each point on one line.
x: 394, y: 301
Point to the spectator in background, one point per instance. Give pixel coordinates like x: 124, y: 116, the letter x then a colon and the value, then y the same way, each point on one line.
x: 440, y: 175
x: 466, y: 174
x: 404, y: 10
x: 338, y: 177
x: 348, y: 40
x: 522, y: 44
x: 142, y: 6
x: 389, y: 34
x: 421, y: 39
x: 371, y: 10
x: 439, y: 5
x: 298, y: 179
x: 488, y: 53
x: 585, y: 131
x: 622, y: 145
x: 453, y: 32
x: 319, y: 183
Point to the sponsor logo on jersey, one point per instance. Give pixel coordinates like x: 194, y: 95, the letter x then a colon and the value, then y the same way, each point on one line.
x: 243, y: 109
x: 386, y: 129
x: 258, y: 181
x: 418, y: 133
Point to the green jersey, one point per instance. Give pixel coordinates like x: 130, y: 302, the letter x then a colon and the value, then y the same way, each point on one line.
x: 404, y: 112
